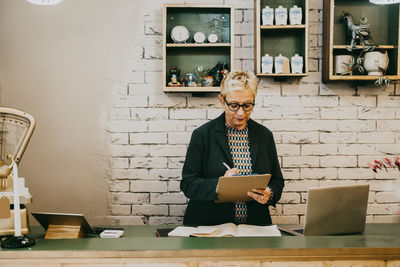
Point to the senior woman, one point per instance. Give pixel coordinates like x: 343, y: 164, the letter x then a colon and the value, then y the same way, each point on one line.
x: 247, y: 146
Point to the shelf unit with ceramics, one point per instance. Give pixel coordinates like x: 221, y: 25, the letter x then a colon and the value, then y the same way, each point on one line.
x: 189, y: 55
x: 384, y: 27
x: 286, y: 40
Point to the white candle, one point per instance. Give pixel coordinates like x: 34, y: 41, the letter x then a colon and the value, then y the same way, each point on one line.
x: 17, y: 211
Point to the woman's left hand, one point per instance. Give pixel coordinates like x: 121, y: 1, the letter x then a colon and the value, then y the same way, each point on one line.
x: 260, y: 195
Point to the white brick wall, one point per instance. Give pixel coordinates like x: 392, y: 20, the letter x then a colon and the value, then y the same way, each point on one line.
x: 325, y: 134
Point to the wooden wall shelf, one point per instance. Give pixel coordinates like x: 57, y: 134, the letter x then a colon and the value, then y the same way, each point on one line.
x: 384, y: 27
x: 278, y: 27
x: 198, y: 89
x: 188, y: 56
x: 200, y: 45
x: 361, y: 77
x: 282, y: 74
x: 286, y: 40
x: 359, y: 47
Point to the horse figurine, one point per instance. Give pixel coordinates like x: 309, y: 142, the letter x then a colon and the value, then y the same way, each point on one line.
x: 359, y: 34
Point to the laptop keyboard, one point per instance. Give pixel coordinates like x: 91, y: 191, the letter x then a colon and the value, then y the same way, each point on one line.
x: 299, y: 230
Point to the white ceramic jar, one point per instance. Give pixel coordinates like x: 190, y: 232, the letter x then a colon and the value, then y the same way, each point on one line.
x: 295, y: 15
x: 281, y: 16
x: 282, y: 64
x: 296, y: 64
x: 267, y: 63
x: 267, y: 16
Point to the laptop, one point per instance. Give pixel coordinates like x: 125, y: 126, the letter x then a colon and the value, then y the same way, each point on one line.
x: 333, y: 211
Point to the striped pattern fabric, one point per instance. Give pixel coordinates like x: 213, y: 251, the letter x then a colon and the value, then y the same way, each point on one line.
x: 240, y: 149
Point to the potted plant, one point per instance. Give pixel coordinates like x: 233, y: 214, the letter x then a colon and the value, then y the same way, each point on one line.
x: 385, y: 164
x: 365, y: 57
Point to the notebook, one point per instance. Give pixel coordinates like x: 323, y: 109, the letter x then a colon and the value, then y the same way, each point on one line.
x: 334, y: 211
x: 235, y: 188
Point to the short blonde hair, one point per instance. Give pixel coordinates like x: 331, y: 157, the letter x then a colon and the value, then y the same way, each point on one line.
x: 239, y: 80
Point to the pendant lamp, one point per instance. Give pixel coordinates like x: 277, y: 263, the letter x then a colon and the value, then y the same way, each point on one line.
x: 384, y: 2
x: 45, y: 2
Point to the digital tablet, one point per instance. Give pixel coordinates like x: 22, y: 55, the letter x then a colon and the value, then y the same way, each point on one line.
x: 45, y: 218
x: 235, y: 188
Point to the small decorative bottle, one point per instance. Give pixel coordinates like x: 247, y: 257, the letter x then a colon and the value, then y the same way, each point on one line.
x: 281, y: 16
x: 267, y: 62
x: 295, y: 15
x: 267, y: 16
x: 296, y: 63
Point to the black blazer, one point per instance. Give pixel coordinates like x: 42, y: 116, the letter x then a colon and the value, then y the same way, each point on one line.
x: 208, y: 148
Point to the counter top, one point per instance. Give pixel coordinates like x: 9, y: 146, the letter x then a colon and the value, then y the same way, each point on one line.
x: 379, y: 241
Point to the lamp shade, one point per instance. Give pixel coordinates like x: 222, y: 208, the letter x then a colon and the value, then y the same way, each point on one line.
x: 384, y: 2
x: 45, y: 2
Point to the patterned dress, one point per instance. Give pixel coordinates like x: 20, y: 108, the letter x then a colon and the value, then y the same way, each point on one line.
x: 240, y: 149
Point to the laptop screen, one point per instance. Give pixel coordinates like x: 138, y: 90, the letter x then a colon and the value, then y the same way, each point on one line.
x: 336, y: 210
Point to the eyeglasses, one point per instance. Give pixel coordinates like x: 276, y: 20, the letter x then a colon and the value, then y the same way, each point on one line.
x: 236, y: 106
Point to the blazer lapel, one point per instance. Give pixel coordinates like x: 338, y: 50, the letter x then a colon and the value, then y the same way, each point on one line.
x: 222, y: 139
x: 254, y: 137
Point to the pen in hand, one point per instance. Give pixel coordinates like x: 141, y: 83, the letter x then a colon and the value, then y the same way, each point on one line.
x: 226, y: 165
x: 228, y: 168
x: 230, y: 171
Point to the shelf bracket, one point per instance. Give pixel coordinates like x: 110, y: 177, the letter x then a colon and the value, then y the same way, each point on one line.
x: 281, y: 79
x: 355, y: 86
x: 199, y: 94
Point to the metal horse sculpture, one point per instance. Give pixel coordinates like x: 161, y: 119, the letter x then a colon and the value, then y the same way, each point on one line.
x: 359, y: 34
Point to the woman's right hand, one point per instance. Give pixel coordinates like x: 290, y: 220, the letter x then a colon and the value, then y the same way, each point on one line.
x: 232, y: 172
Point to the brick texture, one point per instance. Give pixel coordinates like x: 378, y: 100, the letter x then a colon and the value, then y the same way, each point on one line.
x: 325, y: 133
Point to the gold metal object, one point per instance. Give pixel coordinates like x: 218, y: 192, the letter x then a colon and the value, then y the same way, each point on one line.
x: 5, y: 171
x: 16, y: 128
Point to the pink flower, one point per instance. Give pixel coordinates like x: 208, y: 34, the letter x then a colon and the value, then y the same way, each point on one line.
x: 385, y: 164
x: 397, y: 162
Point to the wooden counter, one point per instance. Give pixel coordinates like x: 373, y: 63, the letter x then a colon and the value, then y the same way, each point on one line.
x: 378, y: 246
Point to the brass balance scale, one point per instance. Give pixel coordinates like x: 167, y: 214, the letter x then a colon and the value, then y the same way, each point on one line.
x: 16, y: 128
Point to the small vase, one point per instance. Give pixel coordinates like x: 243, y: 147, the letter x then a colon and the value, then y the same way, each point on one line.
x: 376, y: 62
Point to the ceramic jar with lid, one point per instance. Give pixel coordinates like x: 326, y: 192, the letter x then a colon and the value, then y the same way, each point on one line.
x: 296, y: 63
x: 282, y: 64
x: 267, y: 62
x: 295, y: 15
x: 281, y: 16
x: 267, y: 16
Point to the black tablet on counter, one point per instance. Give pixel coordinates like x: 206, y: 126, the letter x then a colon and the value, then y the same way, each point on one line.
x: 45, y: 219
